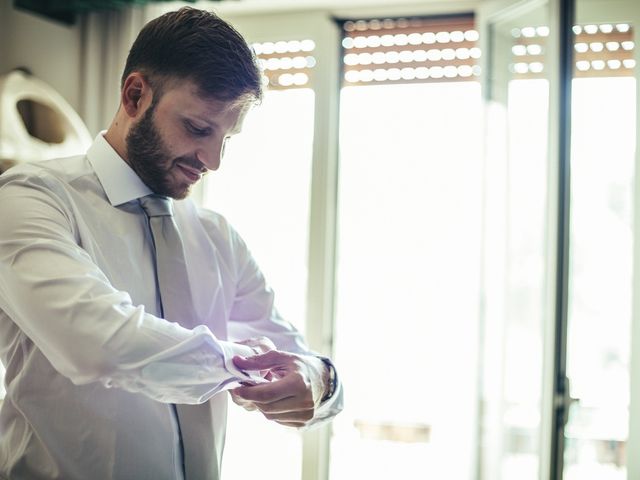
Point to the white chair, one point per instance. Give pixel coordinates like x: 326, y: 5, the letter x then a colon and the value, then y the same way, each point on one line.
x: 36, y: 123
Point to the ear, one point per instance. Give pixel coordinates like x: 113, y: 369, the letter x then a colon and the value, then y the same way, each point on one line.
x: 136, y: 95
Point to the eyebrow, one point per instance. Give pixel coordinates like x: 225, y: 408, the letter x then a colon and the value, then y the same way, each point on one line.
x: 213, y: 125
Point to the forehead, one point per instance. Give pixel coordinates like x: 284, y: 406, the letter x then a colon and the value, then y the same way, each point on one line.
x: 185, y: 98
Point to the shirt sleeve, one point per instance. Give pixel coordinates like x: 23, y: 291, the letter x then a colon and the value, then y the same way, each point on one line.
x: 254, y: 314
x: 90, y: 331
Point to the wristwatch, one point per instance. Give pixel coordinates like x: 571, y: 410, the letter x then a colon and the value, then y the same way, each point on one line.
x: 333, y: 379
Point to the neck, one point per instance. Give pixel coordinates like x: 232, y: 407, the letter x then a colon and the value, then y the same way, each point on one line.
x: 116, y: 137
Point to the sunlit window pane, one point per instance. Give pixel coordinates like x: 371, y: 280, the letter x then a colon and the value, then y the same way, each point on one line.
x: 263, y: 189
x: 408, y: 280
x: 602, y: 164
x: 526, y: 210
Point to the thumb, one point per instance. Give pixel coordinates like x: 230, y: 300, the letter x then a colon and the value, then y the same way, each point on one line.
x: 263, y: 361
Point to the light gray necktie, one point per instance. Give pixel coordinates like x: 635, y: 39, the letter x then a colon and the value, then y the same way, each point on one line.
x: 171, y: 268
x: 195, y: 421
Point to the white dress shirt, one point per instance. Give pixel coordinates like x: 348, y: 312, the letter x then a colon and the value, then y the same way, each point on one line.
x: 91, y: 370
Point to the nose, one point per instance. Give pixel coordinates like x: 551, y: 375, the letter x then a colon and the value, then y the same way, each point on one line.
x: 211, y: 155
x: 210, y: 159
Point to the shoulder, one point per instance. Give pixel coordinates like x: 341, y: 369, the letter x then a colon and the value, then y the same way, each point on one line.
x: 215, y: 222
x: 54, y: 174
x: 48, y: 183
x: 214, y: 225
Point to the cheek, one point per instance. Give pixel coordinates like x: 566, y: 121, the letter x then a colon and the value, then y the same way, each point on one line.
x: 175, y: 145
x: 176, y: 142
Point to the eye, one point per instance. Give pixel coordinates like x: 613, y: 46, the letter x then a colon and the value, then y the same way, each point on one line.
x: 198, y: 132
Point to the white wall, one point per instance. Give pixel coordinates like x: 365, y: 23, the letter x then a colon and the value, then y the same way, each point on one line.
x: 51, y: 50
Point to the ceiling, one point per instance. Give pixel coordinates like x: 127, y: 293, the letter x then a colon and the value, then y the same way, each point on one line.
x: 373, y: 6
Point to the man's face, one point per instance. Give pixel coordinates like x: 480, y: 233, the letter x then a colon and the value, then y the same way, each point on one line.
x: 180, y: 137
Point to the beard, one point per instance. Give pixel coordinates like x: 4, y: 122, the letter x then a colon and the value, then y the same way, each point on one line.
x: 151, y: 159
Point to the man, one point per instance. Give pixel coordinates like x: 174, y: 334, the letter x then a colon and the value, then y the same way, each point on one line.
x: 126, y: 311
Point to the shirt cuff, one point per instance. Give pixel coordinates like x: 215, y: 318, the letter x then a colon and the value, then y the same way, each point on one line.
x: 231, y: 350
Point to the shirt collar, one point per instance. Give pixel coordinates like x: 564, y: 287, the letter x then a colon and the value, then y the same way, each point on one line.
x: 121, y: 184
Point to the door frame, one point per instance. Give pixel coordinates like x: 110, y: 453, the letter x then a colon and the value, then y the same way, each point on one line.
x: 554, y: 386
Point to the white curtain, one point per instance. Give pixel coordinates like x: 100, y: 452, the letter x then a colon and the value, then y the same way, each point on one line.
x: 106, y: 40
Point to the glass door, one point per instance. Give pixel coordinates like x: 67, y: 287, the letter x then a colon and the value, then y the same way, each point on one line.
x: 519, y: 239
x: 603, y: 145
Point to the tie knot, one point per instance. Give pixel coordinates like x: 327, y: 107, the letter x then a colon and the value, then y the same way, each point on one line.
x: 157, y: 205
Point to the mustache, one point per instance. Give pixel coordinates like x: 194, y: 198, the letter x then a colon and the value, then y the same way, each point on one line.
x: 192, y: 162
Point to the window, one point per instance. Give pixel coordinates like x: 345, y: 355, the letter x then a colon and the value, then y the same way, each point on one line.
x: 600, y: 297
x: 600, y: 254
x: 515, y: 253
x: 603, y: 51
x: 409, y: 213
x: 425, y: 230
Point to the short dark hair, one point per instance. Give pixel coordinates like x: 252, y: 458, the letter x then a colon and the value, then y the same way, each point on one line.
x: 196, y: 45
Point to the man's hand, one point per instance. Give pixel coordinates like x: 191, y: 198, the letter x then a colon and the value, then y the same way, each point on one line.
x: 259, y: 345
x: 298, y: 384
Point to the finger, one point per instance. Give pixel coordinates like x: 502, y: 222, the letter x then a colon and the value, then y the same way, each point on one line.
x: 301, y: 416
x: 290, y: 404
x: 247, y: 405
x: 266, y: 361
x: 291, y: 424
x: 272, y: 391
